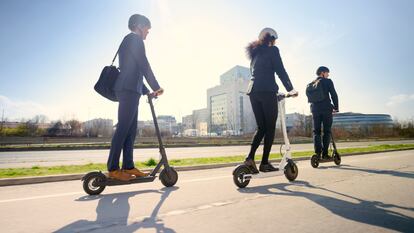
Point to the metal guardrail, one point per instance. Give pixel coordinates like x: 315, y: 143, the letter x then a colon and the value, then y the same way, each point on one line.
x: 49, y: 140
x: 140, y: 140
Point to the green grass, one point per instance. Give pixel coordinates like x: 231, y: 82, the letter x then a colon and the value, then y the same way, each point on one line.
x: 71, y: 169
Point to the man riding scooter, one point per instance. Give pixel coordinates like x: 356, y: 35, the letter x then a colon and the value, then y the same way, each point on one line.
x: 129, y: 87
x: 319, y: 93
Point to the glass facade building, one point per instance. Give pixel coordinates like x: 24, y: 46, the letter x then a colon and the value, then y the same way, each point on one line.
x: 351, y: 120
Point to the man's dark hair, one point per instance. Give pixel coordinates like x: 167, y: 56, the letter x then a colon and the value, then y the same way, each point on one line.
x: 136, y: 20
x: 322, y: 69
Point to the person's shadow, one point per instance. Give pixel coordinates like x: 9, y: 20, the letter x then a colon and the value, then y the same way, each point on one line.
x: 375, y: 171
x: 113, y: 211
x: 369, y: 212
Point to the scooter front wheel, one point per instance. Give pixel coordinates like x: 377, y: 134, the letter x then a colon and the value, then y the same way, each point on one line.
x: 314, y: 161
x: 238, y: 176
x: 91, y: 183
x: 169, y: 177
x: 291, y: 171
x: 337, y: 158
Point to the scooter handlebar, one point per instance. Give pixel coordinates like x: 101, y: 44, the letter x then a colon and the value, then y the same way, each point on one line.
x: 152, y: 95
x: 290, y: 94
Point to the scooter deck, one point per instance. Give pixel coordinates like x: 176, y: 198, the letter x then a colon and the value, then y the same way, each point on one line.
x: 263, y: 174
x: 326, y: 160
x: 113, y: 182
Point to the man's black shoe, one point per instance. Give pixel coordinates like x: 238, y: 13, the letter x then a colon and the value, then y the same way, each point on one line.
x: 252, y: 165
x: 326, y: 157
x: 267, y: 168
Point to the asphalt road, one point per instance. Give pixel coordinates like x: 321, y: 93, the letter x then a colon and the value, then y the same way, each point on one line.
x: 52, y: 158
x: 368, y: 193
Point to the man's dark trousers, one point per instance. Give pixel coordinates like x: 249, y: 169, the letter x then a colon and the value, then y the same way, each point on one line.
x: 124, y: 136
x: 319, y: 119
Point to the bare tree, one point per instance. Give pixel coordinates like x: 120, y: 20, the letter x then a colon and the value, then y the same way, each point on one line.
x: 55, y: 129
x: 40, y: 119
x: 31, y: 128
x: 76, y: 127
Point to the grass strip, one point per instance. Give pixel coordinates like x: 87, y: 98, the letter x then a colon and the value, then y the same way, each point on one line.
x: 72, y: 169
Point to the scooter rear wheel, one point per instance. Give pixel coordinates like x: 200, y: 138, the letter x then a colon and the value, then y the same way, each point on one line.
x: 337, y: 158
x: 90, y: 183
x: 169, y: 177
x: 238, y: 174
x: 314, y: 161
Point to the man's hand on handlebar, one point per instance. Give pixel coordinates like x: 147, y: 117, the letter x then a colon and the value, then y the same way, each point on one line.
x: 293, y: 93
x: 158, y: 92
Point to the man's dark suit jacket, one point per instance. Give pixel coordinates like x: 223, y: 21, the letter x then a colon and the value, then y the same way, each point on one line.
x: 134, y: 65
x: 325, y: 106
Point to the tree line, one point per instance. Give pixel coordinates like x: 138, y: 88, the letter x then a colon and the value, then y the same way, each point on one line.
x: 70, y: 128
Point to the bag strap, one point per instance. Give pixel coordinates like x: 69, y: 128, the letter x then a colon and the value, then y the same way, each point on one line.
x: 317, y: 80
x: 116, y: 54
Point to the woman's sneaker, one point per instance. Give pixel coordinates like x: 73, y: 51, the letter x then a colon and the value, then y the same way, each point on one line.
x: 267, y: 168
x: 252, y: 165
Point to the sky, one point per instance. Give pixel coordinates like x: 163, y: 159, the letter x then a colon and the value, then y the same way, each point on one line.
x: 52, y: 52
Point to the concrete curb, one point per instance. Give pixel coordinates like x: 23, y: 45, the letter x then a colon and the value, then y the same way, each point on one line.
x: 69, y: 177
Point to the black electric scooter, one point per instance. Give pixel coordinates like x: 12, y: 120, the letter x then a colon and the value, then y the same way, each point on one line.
x: 95, y: 182
x: 335, y: 156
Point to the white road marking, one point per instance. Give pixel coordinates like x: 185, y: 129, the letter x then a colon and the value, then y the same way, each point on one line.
x: 40, y: 197
x: 77, y: 193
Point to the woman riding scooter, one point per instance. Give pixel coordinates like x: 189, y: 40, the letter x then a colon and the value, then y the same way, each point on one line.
x: 265, y: 61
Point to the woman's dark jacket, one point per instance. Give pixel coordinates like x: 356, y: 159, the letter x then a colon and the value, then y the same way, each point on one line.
x: 265, y: 61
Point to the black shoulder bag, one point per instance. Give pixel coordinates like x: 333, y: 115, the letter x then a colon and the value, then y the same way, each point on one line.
x: 106, y: 81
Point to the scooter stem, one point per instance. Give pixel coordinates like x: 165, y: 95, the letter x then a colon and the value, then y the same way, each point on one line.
x: 283, y: 123
x: 157, y: 131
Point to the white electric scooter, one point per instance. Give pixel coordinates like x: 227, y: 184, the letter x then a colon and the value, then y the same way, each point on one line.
x: 242, y: 174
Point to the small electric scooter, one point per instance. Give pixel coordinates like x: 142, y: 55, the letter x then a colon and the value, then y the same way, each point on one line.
x: 242, y: 174
x: 95, y: 182
x: 335, y: 156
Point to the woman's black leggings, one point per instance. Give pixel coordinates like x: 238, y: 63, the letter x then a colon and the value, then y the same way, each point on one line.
x: 264, y: 105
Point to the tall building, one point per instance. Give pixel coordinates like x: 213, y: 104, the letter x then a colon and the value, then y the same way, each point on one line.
x: 196, y: 124
x: 228, y: 105
x: 200, y: 118
x: 167, y: 123
x: 188, y: 122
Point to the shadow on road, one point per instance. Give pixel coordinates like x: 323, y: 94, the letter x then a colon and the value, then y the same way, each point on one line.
x: 375, y: 171
x: 369, y: 212
x: 113, y: 212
